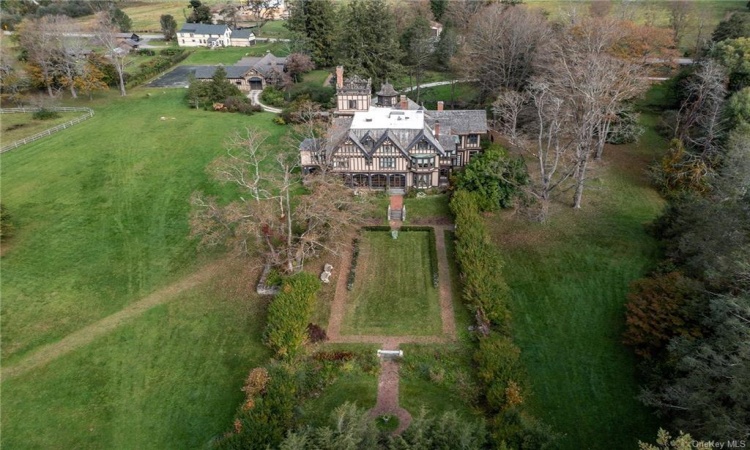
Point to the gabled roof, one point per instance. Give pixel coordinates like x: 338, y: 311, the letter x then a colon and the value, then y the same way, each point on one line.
x: 203, y: 28
x: 206, y: 72
x: 245, y: 33
x: 386, y: 90
x: 429, y: 138
x: 389, y: 135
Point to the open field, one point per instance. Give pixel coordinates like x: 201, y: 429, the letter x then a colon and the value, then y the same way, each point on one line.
x: 230, y: 55
x: 393, y: 292
x: 101, y: 218
x: 21, y: 125
x: 169, y: 379
x: 465, y: 95
x: 275, y: 29
x: 101, y: 212
x: 569, y: 280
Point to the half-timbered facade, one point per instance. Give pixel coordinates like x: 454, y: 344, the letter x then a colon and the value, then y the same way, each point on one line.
x: 397, y: 146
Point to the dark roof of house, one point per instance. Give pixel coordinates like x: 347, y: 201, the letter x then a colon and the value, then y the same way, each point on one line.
x: 245, y: 33
x: 270, y: 63
x: 459, y: 121
x: 206, y: 72
x: 386, y: 90
x: 203, y: 28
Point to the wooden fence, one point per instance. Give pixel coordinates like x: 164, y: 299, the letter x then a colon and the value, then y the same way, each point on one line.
x: 89, y: 113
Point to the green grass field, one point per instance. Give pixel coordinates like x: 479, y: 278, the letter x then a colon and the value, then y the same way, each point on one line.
x: 465, y: 96
x: 169, y: 379
x: 569, y: 280
x: 101, y: 212
x: 430, y: 207
x: 21, y: 125
x: 275, y: 29
x: 393, y: 292
x: 101, y: 220
x: 230, y: 55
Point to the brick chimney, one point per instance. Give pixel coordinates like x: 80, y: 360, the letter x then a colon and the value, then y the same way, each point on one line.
x: 404, y: 102
x: 339, y: 76
x: 440, y: 105
x: 437, y: 128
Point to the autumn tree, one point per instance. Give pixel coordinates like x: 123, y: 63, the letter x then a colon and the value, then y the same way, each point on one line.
x: 265, y: 220
x: 298, y: 64
x: 40, y: 41
x: 200, y: 13
x: 106, y: 35
x: 263, y: 10
x: 680, y: 18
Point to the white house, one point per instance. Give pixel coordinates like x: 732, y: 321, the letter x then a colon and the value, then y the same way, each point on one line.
x: 204, y: 35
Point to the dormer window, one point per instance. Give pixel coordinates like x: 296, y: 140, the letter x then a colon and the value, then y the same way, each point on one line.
x: 424, y: 145
x: 473, y: 140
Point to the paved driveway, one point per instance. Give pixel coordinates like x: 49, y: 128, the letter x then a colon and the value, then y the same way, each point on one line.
x: 177, y: 78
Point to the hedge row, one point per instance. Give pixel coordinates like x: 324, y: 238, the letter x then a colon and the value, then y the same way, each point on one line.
x: 353, y: 267
x: 166, y: 59
x: 289, y: 314
x: 432, y: 247
x: 485, y: 290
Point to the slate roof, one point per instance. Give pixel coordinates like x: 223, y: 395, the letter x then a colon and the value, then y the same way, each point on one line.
x: 270, y: 63
x: 245, y: 33
x: 203, y: 28
x: 386, y: 90
x: 459, y: 121
x: 206, y: 72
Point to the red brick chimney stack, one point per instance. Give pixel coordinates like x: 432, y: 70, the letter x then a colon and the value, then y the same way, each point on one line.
x: 339, y: 76
x: 404, y: 102
x: 437, y: 127
x: 440, y: 105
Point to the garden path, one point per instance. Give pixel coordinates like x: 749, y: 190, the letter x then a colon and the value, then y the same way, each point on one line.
x: 88, y: 334
x: 388, y: 382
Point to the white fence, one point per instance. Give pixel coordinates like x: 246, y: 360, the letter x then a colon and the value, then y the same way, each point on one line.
x: 89, y: 113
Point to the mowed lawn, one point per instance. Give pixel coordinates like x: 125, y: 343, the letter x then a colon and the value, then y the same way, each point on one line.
x: 101, y: 216
x: 17, y: 126
x: 569, y: 280
x: 393, y: 292
x: 101, y: 212
x: 168, y: 379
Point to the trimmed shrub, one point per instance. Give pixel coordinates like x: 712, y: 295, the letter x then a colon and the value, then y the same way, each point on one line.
x: 272, y: 96
x: 45, y: 114
x: 353, y: 267
x: 145, y: 52
x: 481, y: 265
x: 289, y: 313
x: 159, y: 64
x: 171, y: 51
x: 498, y: 367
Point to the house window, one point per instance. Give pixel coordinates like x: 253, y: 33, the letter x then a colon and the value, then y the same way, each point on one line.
x: 238, y: 83
x: 340, y: 163
x: 424, y: 163
x: 192, y: 35
x: 423, y: 145
x: 352, y: 104
x: 473, y: 140
x: 422, y: 181
x: 387, y: 163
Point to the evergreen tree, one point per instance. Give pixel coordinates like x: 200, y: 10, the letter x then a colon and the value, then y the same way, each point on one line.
x: 168, y: 26
x: 368, y: 40
x: 315, y: 22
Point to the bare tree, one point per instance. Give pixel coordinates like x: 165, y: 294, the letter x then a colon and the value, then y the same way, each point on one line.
x: 502, y: 46
x: 506, y: 110
x: 40, y: 39
x: 680, y: 17
x: 286, y: 232
x: 699, y: 120
x: 107, y: 35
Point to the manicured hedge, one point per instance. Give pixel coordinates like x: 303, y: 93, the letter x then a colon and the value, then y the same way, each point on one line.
x: 481, y: 265
x: 289, y: 313
x: 353, y: 267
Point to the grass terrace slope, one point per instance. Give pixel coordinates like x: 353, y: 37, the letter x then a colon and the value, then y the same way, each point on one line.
x: 393, y: 292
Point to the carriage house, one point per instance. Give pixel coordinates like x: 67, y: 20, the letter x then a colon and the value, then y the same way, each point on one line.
x: 394, y: 144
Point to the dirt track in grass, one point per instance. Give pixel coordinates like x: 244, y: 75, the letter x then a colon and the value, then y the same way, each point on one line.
x: 88, y: 334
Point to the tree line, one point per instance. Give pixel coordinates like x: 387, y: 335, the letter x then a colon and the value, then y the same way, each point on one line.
x: 689, y: 320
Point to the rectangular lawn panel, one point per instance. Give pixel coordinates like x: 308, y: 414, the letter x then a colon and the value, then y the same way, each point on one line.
x: 393, y: 292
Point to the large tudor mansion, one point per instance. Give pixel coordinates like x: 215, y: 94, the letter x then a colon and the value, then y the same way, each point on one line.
x: 395, y: 143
